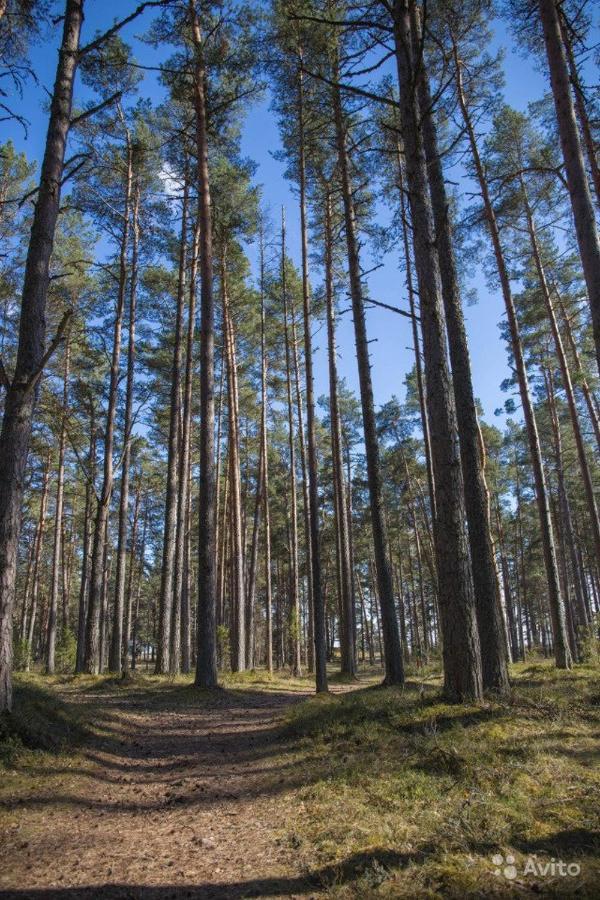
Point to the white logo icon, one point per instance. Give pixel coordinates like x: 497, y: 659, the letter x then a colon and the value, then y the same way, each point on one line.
x: 509, y: 870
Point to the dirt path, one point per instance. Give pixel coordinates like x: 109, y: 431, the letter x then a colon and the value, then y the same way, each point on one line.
x: 174, y: 800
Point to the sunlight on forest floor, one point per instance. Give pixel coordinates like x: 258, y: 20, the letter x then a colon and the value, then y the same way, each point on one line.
x: 381, y: 792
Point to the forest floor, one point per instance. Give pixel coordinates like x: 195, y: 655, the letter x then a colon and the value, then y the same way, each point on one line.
x: 153, y: 789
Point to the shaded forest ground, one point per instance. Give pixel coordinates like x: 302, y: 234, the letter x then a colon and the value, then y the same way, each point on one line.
x: 152, y: 789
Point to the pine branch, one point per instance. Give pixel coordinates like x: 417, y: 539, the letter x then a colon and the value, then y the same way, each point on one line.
x: 101, y: 39
x: 95, y: 109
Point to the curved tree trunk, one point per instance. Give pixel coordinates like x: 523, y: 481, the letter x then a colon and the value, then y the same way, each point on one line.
x: 21, y: 391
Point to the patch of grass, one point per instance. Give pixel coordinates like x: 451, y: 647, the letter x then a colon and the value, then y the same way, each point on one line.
x: 40, y: 722
x: 425, y: 793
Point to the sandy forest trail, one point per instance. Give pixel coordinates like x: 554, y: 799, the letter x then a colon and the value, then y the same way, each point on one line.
x: 174, y: 799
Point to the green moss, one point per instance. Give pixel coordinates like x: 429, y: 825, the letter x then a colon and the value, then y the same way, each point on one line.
x: 40, y: 722
x: 425, y: 793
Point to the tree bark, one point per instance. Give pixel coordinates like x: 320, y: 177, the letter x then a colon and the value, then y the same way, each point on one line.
x: 165, y: 608
x: 461, y: 649
x: 58, y: 519
x: 93, y: 661
x: 561, y: 648
x: 238, y: 600
x: 347, y: 636
x: 119, y: 641
x: 20, y: 396
x: 293, y: 508
x: 180, y: 622
x: 394, y: 667
x: 579, y: 191
x: 314, y: 575
x: 490, y: 621
x: 206, y: 665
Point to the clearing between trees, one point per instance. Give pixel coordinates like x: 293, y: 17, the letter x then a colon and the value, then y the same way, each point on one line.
x: 150, y: 788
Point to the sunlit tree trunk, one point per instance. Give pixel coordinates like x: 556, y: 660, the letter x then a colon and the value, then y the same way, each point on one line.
x: 22, y: 389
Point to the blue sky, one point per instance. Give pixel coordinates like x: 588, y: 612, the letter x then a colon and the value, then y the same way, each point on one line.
x: 392, y: 354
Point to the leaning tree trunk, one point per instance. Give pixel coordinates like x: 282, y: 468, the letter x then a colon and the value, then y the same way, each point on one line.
x: 21, y: 390
x: 461, y: 651
x: 206, y: 666
x: 586, y: 475
x: 394, y: 667
x: 490, y: 621
x: 590, y: 398
x: 58, y: 520
x: 557, y: 610
x: 118, y: 646
x: 577, y: 181
x: 421, y: 388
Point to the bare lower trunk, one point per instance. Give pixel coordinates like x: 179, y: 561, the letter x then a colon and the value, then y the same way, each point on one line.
x: 128, y: 606
x: 58, y: 521
x: 87, y: 538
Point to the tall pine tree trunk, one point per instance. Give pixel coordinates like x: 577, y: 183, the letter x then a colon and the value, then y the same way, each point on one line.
x: 315, y: 593
x: 461, y: 650
x: 347, y: 636
x: 58, y: 519
x: 490, y: 621
x: 557, y: 611
x: 93, y: 659
x: 293, y: 508
x: 394, y: 668
x: 165, y: 608
x: 238, y: 600
x: 206, y: 665
x: 117, y: 647
x: 180, y: 622
x: 586, y: 229
x: 21, y: 390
